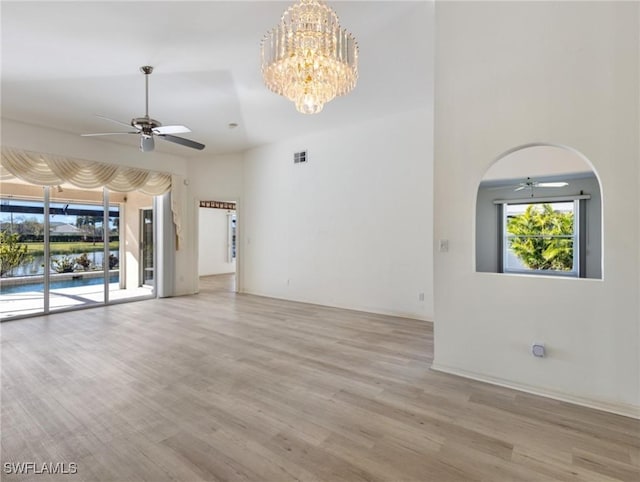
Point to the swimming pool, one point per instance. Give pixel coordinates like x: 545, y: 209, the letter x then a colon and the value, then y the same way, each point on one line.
x: 66, y: 283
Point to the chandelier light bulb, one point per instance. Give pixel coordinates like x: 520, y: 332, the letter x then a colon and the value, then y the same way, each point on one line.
x: 308, y: 57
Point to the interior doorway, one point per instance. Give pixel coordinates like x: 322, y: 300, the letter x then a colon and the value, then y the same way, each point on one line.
x: 217, y: 245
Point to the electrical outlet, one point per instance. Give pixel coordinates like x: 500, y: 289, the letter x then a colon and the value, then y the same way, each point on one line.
x: 537, y: 349
x: 420, y: 296
x: 444, y: 245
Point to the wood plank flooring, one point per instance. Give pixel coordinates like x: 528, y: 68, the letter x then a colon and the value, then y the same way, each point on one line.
x: 221, y: 386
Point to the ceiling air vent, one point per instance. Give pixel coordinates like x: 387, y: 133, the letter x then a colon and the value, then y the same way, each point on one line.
x: 299, y: 157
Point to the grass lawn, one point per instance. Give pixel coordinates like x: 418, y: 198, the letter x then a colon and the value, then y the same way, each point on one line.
x: 73, y: 247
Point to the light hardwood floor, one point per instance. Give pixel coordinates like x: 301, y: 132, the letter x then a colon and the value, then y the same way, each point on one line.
x: 221, y: 386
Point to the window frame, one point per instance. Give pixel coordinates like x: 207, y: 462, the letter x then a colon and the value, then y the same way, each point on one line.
x: 575, y: 237
x: 579, y: 235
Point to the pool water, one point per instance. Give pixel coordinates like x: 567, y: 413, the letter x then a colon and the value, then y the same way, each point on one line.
x: 67, y: 283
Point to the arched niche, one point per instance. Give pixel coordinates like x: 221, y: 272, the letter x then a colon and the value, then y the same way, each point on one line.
x: 539, y: 212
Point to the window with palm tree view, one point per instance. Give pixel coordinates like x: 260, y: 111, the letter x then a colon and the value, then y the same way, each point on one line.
x: 541, y: 237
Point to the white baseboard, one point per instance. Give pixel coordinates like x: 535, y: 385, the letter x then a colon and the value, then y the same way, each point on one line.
x: 396, y: 314
x: 625, y: 409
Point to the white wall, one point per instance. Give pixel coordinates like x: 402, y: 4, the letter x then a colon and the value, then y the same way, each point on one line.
x: 213, y: 242
x: 509, y: 74
x: 217, y: 178
x: 351, y: 228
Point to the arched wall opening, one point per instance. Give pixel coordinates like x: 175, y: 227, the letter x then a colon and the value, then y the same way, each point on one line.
x: 539, y: 212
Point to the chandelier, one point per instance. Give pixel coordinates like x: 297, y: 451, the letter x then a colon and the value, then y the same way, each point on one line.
x: 308, y: 57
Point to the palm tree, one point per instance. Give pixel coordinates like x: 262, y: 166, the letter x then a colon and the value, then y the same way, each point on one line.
x: 542, y: 238
x: 88, y: 225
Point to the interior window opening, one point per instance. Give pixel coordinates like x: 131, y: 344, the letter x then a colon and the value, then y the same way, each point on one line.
x: 539, y: 211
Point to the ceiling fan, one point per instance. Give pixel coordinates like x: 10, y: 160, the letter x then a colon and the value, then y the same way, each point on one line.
x: 530, y: 184
x: 147, y: 127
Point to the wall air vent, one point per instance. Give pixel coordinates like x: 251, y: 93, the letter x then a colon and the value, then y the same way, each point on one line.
x: 299, y: 157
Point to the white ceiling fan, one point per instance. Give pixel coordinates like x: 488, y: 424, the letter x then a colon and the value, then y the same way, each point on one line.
x: 530, y: 184
x: 147, y: 127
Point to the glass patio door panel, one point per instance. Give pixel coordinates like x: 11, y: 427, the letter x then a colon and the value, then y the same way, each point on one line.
x: 22, y: 259
x: 116, y: 275
x: 77, y: 236
x: 129, y: 225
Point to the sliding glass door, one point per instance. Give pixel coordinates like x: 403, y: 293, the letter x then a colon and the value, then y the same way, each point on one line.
x: 72, y: 248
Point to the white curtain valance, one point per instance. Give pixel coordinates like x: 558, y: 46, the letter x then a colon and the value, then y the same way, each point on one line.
x: 51, y: 170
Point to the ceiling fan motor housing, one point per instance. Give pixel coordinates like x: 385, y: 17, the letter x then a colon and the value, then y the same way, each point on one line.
x: 145, y: 124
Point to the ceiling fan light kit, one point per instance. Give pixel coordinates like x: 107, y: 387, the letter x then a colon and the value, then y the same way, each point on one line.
x: 147, y: 128
x: 308, y: 57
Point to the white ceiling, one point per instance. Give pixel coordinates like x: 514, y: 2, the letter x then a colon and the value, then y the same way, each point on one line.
x: 64, y: 62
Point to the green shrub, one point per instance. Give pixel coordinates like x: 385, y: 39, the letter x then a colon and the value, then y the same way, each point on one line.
x: 113, y: 261
x: 12, y: 252
x: 83, y: 261
x: 66, y: 264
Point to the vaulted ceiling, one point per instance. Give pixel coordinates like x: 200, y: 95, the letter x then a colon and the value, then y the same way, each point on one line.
x: 65, y: 62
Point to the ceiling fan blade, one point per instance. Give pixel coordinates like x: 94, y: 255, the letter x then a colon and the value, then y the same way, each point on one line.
x: 171, y: 130
x: 553, y: 184
x: 500, y: 188
x: 113, y: 120
x: 520, y: 188
x: 147, y: 144
x: 182, y: 141
x: 107, y: 134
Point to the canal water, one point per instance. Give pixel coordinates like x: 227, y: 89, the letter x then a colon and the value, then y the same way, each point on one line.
x: 36, y: 266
